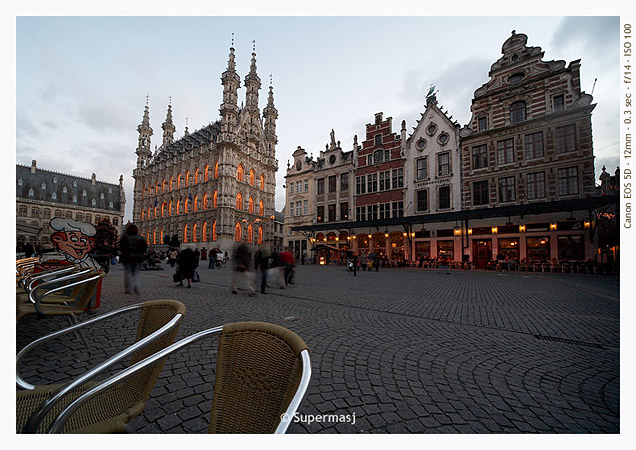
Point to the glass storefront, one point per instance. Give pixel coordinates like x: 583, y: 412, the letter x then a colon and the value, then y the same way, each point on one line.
x: 538, y: 248
x: 571, y: 248
x: 509, y: 248
x: 423, y: 249
x: 445, y: 249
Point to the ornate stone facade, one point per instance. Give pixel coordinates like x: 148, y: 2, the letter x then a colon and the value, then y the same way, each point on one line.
x: 213, y: 187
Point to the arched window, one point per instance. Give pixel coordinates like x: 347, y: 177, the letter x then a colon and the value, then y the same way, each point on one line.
x: 262, y: 182
x: 196, y: 176
x: 237, y: 232
x: 518, y: 112
x: 205, y: 172
x: 216, y: 170
x: 161, y: 235
x: 214, y: 231
x: 194, y: 233
x: 239, y: 201
x: 178, y: 207
x: 154, y: 236
x: 158, y: 188
x: 204, y: 232
x: 179, y: 181
x: 260, y: 235
x: 250, y: 205
x: 171, y: 180
x: 187, y: 178
x: 170, y: 208
x: 205, y: 201
x: 185, y: 233
x: 155, y: 212
x: 252, y: 176
x: 195, y: 206
x: 186, y: 204
x: 261, y: 209
x: 163, y: 209
x: 163, y: 186
x: 250, y: 234
x: 215, y: 198
x: 240, y: 172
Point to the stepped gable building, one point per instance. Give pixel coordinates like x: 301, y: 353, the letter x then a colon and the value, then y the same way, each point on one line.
x: 432, y: 171
x: 529, y: 142
x: 213, y: 187
x: 42, y: 195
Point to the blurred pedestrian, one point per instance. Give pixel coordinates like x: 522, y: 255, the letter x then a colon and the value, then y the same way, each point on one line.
x: 242, y: 259
x: 132, y: 249
x: 173, y: 254
x: 287, y: 258
x: 186, y: 265
x: 262, y: 260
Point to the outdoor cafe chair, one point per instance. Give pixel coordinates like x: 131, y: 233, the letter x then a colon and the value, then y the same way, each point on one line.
x: 262, y: 374
x: 30, y: 281
x: 70, y: 305
x: 65, y: 408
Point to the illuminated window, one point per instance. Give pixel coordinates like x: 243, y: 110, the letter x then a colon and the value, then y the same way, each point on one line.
x: 240, y: 173
x: 216, y: 170
x: 262, y: 182
x: 178, y: 207
x: 171, y: 180
x: 195, y: 206
x: 185, y: 233
x: 250, y: 205
x: 214, y: 231
x: 161, y: 236
x: 237, y: 232
x: 163, y: 186
x: 185, y: 205
x: 205, y: 172
x: 260, y: 235
x: 239, y: 201
x: 261, y: 209
x: 170, y: 208
x: 214, y: 199
x: 204, y: 232
x: 178, y: 181
x: 205, y: 201
x: 250, y: 234
x: 196, y: 176
x: 252, y: 177
x: 163, y: 209
x: 194, y: 233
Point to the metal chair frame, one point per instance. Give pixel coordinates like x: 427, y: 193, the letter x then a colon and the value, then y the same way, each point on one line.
x: 37, y: 417
x: 61, y: 419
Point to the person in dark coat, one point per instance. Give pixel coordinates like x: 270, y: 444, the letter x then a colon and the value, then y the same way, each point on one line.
x: 187, y: 264
x: 262, y: 260
x: 132, y: 249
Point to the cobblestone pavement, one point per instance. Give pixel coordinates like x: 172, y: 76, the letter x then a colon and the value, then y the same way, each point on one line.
x: 406, y: 350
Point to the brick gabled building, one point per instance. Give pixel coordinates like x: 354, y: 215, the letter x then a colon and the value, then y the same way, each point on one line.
x: 530, y: 141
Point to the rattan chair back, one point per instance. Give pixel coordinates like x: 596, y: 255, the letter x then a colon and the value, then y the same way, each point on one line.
x: 257, y: 374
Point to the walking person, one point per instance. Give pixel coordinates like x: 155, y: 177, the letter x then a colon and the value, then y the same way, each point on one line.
x: 132, y: 249
x: 173, y: 254
x: 186, y: 265
x: 355, y: 264
x: 212, y: 257
x: 287, y: 258
x: 262, y: 263
x: 242, y: 259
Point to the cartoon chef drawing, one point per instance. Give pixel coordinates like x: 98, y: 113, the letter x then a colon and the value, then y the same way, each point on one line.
x: 73, y: 240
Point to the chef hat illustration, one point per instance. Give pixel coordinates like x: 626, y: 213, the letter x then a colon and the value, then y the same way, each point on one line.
x: 65, y: 224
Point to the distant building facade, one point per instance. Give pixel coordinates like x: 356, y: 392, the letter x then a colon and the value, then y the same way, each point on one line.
x: 529, y: 142
x: 214, y: 187
x: 43, y: 194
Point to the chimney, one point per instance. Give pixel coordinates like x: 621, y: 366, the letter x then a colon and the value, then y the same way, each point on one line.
x: 33, y: 165
x: 93, y: 180
x: 378, y: 118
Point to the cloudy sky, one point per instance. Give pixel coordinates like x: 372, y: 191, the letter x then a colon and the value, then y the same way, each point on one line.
x: 81, y: 82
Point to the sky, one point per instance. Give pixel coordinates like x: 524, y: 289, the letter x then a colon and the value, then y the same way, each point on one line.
x: 82, y: 82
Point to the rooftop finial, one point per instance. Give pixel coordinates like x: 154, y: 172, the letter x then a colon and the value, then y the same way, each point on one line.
x: 147, y: 99
x: 270, y: 79
x: 169, y: 100
x: 254, y: 46
x: 232, y: 39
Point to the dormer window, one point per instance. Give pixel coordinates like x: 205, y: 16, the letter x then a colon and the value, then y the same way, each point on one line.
x: 84, y: 193
x: 332, y: 159
x: 31, y: 193
x: 64, y: 190
x: 20, y: 182
x: 93, y: 202
x: 101, y: 196
x: 75, y: 199
x: 43, y: 187
x: 54, y: 180
x: 74, y: 184
x: 54, y: 196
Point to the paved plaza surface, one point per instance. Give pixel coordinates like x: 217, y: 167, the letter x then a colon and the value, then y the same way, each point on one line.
x: 405, y: 350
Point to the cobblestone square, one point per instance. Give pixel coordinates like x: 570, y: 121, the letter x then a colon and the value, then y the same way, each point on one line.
x: 405, y: 350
